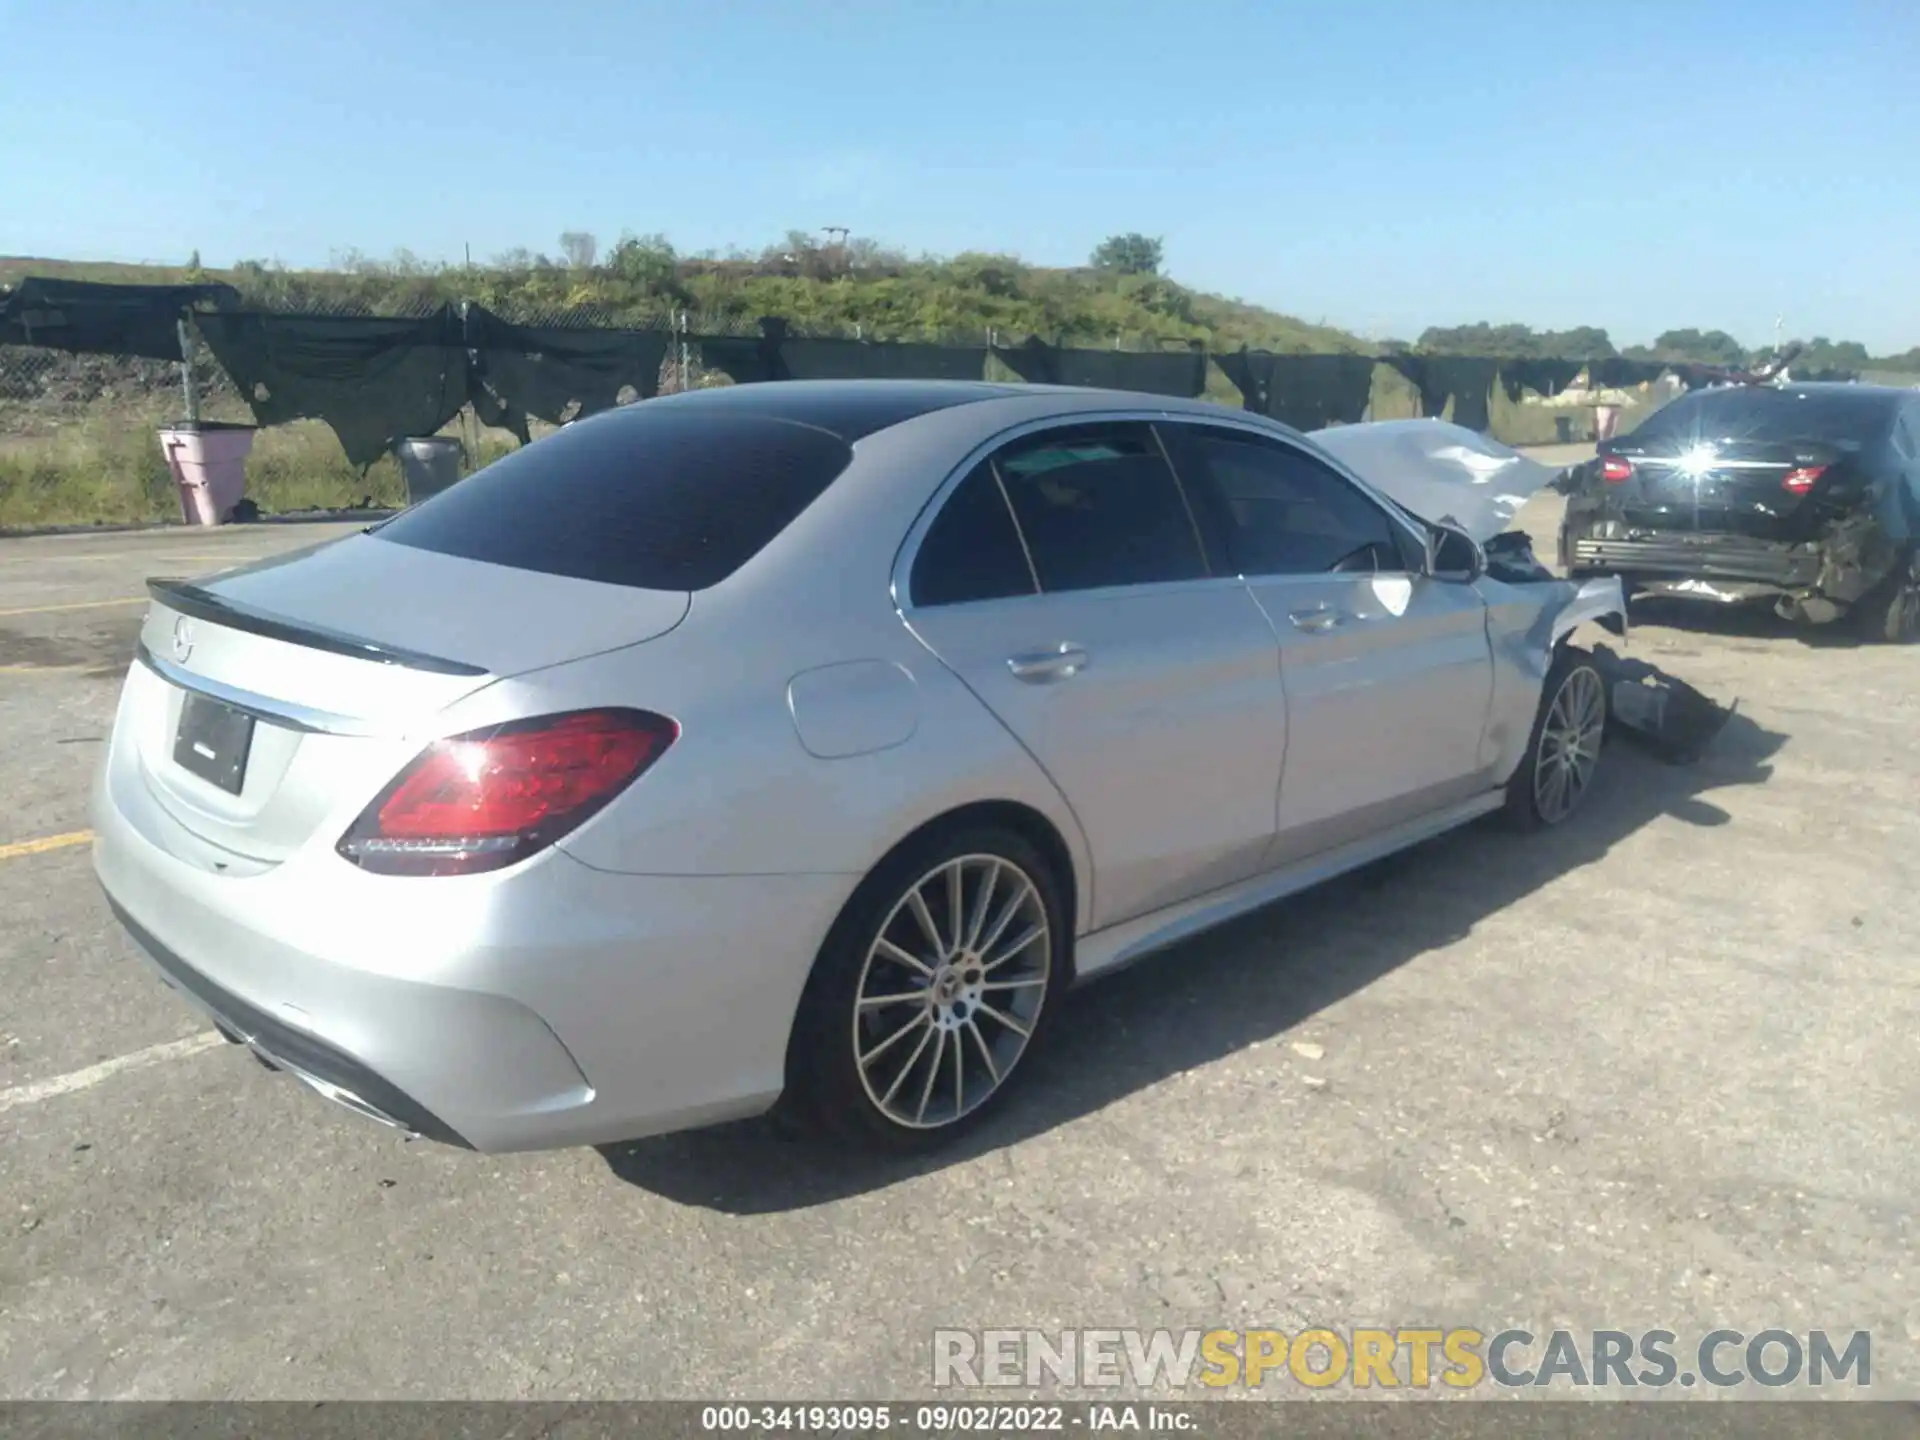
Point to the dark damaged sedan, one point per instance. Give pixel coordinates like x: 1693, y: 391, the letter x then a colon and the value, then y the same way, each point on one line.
x: 1806, y: 495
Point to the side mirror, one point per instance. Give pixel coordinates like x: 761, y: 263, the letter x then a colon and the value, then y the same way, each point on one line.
x: 1454, y: 555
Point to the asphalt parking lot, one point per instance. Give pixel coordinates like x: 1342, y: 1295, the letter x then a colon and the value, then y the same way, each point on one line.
x: 1654, y: 1070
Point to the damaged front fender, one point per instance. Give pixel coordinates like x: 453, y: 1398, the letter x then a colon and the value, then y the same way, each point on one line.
x: 1601, y: 601
x: 1530, y: 615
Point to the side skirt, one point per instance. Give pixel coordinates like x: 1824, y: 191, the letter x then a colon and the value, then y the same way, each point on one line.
x: 1104, y: 951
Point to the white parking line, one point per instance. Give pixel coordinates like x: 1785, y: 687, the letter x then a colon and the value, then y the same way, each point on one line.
x: 85, y: 1079
x: 76, y: 605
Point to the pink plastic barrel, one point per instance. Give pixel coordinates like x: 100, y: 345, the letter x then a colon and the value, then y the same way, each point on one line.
x: 208, y: 461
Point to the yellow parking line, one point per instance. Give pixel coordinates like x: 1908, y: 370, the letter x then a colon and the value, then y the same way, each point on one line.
x: 44, y: 669
x: 46, y: 843
x: 76, y: 605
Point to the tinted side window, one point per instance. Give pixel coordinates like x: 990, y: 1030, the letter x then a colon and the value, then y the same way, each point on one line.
x: 1281, y: 512
x: 1099, y: 506
x: 667, y: 499
x: 972, y: 550
x: 1906, y: 435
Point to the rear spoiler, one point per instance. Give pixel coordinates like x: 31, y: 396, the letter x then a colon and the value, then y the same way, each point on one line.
x: 202, y: 604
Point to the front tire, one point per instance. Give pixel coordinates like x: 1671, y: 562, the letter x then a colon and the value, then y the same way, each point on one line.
x: 1563, y: 752
x: 933, y: 987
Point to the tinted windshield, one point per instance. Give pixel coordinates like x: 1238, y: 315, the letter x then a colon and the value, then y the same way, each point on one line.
x: 656, y: 498
x: 1768, y: 416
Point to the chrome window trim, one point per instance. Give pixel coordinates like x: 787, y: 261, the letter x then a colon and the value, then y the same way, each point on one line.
x: 900, y: 585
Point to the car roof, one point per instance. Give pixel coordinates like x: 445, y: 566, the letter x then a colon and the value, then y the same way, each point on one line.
x: 855, y: 409
x: 1868, y: 396
x: 850, y: 409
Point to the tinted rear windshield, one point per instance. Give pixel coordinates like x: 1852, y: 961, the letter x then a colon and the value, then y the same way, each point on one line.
x: 660, y: 499
x: 1770, y: 417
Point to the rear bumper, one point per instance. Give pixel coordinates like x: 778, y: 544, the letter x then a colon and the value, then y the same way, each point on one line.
x: 333, y: 1073
x: 548, y: 1005
x: 1772, y: 566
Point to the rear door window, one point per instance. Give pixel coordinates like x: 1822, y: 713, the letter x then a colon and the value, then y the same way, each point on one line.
x: 655, y: 499
x: 972, y: 551
x: 1099, y: 506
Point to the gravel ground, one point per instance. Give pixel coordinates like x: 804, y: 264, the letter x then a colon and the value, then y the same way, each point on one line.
x: 1654, y: 1070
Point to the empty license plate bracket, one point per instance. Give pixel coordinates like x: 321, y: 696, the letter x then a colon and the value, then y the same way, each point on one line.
x: 213, y: 742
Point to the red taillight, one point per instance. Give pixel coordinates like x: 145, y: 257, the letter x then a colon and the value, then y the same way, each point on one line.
x: 485, y: 799
x: 1614, y: 469
x: 1799, y: 482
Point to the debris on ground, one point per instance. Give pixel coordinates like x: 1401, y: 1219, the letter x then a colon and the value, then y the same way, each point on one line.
x: 1665, y: 714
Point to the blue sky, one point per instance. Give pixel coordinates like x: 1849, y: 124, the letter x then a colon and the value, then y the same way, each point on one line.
x: 1381, y: 166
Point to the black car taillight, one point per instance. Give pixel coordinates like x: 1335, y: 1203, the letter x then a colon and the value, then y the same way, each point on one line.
x: 1615, y: 469
x: 1803, y: 479
x: 488, y: 798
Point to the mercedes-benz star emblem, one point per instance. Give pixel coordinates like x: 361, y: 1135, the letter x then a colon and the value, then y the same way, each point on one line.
x: 182, y: 639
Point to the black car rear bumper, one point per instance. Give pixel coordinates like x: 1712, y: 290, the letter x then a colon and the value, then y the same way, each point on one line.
x: 1787, y: 569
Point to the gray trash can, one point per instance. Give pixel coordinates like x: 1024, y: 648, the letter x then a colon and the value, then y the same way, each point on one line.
x: 1563, y: 429
x: 429, y: 464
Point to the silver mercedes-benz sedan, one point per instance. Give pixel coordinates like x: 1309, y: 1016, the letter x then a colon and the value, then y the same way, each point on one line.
x: 798, y: 745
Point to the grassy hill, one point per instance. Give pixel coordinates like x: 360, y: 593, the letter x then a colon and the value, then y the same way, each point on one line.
x: 833, y: 289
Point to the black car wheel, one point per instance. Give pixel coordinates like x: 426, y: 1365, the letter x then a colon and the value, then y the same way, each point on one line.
x: 1892, y: 613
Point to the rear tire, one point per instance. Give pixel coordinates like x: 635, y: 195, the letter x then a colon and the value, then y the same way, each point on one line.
x: 934, y: 986
x: 1563, y: 752
x: 1892, y: 612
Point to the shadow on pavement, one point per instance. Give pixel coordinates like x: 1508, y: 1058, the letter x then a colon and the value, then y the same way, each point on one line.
x: 104, y: 649
x: 1246, y: 982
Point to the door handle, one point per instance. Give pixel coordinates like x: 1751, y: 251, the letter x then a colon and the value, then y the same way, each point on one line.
x: 1317, y: 620
x: 1041, y: 667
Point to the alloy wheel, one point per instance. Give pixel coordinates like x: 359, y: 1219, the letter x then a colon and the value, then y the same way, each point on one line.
x: 1569, y: 744
x: 951, y: 990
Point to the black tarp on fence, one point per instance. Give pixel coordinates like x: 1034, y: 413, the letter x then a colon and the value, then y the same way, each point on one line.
x: 89, y: 318
x: 378, y: 380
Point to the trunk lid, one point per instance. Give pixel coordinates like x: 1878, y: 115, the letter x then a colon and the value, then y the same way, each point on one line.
x: 267, y: 696
x: 1743, y: 487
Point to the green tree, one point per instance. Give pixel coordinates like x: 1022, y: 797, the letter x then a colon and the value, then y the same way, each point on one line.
x: 580, y: 249
x: 1584, y: 342
x: 1714, y: 347
x: 1824, y: 354
x: 646, y: 266
x: 1129, y: 254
